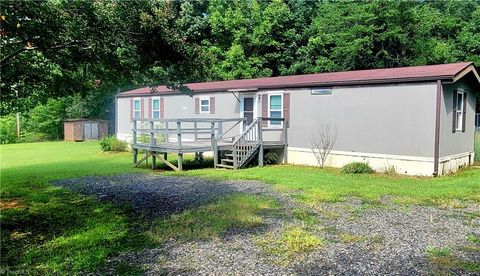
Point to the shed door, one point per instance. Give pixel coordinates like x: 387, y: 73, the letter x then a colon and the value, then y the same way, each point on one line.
x: 94, y: 130
x: 87, y: 131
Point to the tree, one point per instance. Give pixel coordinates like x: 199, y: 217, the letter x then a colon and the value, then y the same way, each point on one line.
x: 323, y: 142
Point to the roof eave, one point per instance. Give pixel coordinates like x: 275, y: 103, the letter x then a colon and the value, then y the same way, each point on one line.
x: 126, y: 94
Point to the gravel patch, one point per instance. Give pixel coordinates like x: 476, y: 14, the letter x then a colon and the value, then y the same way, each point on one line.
x: 156, y: 195
x: 386, y: 239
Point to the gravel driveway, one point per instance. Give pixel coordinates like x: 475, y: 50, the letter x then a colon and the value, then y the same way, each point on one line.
x: 360, y: 238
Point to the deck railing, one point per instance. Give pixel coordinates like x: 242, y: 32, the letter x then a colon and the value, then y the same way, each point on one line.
x: 247, y: 143
x: 197, y: 135
x: 180, y: 131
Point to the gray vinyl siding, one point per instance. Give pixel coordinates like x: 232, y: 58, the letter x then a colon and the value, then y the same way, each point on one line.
x: 180, y: 106
x: 458, y: 142
x: 383, y: 119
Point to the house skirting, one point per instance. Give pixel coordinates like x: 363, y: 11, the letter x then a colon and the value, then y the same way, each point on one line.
x: 409, y: 165
x: 453, y: 163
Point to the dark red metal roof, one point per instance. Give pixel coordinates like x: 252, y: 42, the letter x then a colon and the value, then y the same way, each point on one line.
x: 390, y: 75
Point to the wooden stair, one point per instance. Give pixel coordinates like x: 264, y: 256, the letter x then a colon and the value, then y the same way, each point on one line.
x: 244, y: 148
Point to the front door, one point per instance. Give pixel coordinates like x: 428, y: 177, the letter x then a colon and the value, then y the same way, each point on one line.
x: 248, y: 109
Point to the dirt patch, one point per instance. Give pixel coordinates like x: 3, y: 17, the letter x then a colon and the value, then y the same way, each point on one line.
x: 11, y: 204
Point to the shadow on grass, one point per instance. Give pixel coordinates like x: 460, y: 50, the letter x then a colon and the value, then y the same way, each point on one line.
x: 60, y: 231
x: 69, y: 230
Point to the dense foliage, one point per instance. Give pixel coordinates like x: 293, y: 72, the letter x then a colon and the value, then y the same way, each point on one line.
x: 89, y: 50
x: 357, y: 168
x: 111, y: 143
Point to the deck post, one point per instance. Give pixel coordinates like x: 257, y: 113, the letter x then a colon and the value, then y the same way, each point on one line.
x: 214, y: 145
x: 134, y: 132
x: 285, y: 142
x: 152, y: 135
x: 154, y: 161
x: 220, y: 128
x: 180, y: 162
x: 195, y: 130
x: 166, y: 131
x: 135, y: 156
x: 260, y: 149
x: 179, y: 134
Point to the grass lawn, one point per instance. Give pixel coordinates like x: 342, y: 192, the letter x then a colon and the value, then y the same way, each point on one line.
x: 47, y: 229
x: 312, y: 184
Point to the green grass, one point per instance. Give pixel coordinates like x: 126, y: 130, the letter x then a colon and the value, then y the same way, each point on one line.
x: 350, y: 238
x: 46, y: 229
x: 213, y: 220
x: 442, y: 260
x: 312, y: 184
x: 290, y: 244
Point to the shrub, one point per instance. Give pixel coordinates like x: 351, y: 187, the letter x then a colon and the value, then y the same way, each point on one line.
x: 270, y: 158
x: 357, y: 168
x: 111, y: 143
x: 31, y: 137
x: 48, y: 119
x: 8, y: 129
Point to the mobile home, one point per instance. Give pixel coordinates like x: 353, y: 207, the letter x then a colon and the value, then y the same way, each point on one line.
x: 418, y: 120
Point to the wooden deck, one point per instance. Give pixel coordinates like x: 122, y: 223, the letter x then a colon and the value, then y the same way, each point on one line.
x: 160, y: 137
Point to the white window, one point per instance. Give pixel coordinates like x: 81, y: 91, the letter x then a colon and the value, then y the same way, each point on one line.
x: 275, y: 108
x: 459, y: 112
x: 136, y: 108
x: 204, y: 105
x: 156, y: 108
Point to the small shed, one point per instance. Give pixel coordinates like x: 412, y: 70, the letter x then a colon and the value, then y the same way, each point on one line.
x: 85, y: 129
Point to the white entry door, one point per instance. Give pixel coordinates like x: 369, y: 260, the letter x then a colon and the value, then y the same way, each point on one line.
x: 248, y: 109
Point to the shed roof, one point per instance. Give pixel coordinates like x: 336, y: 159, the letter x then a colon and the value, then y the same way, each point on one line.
x: 449, y: 72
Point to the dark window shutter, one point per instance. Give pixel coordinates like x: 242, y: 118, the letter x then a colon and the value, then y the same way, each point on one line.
x: 265, y: 110
x: 131, y: 110
x: 286, y: 108
x: 142, y: 105
x: 197, y: 106
x: 454, y: 121
x: 149, y: 114
x: 212, y: 105
x: 464, y: 117
x: 162, y: 108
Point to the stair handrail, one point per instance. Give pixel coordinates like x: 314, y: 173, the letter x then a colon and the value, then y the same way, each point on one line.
x: 246, y: 130
x: 245, y: 156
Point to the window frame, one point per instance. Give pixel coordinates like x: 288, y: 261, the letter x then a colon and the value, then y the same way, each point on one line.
x: 200, y: 99
x: 139, y: 110
x: 459, y: 112
x: 280, y: 125
x: 155, y: 110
